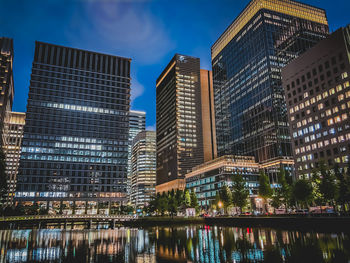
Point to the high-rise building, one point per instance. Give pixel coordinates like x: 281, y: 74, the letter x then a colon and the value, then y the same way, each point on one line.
x: 6, y: 83
x: 184, y: 115
x: 250, y: 111
x: 137, y: 123
x: 208, y: 115
x: 144, y: 164
x: 76, y: 137
x: 12, y: 150
x: 317, y: 92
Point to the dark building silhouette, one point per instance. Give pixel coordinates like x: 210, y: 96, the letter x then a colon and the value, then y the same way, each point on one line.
x: 75, y: 144
x: 6, y: 84
x: 317, y: 92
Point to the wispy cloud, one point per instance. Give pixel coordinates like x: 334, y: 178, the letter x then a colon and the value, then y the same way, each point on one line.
x: 137, y: 89
x: 126, y: 28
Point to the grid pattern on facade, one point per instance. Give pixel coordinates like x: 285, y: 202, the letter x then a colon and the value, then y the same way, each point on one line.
x: 317, y: 91
x: 250, y: 111
x: 143, y: 168
x: 75, y: 142
x: 6, y: 84
x: 179, y: 119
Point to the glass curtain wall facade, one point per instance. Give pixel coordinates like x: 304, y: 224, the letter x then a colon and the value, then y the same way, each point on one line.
x: 250, y: 110
x: 75, y: 144
x: 179, y: 119
x: 6, y: 84
x: 143, y: 168
x: 137, y: 123
x: 12, y: 150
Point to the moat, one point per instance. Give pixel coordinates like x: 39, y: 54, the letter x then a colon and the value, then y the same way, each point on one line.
x: 193, y: 243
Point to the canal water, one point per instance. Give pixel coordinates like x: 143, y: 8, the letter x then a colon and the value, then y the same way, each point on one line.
x: 173, y: 244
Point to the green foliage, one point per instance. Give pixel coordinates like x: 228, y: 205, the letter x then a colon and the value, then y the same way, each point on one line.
x: 187, y: 199
x: 194, y: 200
x: 240, y: 191
x: 226, y: 196
x: 265, y: 190
x: 282, y: 194
x: 302, y: 191
x: 327, y: 186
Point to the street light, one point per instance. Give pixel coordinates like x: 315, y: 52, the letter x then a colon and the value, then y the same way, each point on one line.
x: 220, y: 204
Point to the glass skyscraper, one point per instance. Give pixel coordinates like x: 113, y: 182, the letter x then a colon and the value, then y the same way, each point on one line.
x: 75, y: 144
x: 251, y: 117
x: 137, y: 123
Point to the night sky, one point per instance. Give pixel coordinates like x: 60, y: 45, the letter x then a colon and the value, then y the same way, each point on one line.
x: 149, y: 32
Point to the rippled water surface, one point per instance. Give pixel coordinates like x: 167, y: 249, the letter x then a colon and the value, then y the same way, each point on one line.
x: 172, y: 244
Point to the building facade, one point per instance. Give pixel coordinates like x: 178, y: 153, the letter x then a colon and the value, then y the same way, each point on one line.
x: 208, y: 178
x: 12, y: 150
x: 76, y: 137
x: 317, y: 91
x: 208, y: 115
x: 179, y: 120
x: 6, y: 84
x: 143, y: 183
x: 250, y: 110
x: 137, y: 123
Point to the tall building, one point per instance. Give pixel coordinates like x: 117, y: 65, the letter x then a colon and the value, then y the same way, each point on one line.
x: 184, y: 116
x: 75, y: 143
x: 317, y: 91
x: 12, y: 150
x: 6, y: 84
x: 137, y: 123
x: 250, y: 110
x: 144, y: 164
x: 208, y: 115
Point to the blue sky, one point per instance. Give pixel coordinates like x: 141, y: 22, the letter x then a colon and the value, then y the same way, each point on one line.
x: 149, y: 32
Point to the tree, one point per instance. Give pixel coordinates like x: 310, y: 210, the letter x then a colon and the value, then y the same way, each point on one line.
x: 3, y: 177
x: 226, y: 196
x: 327, y: 186
x: 240, y: 191
x: 194, y: 200
x: 187, y: 199
x: 265, y: 190
x: 302, y: 191
x: 281, y: 194
x: 172, y: 204
x: 162, y: 204
x: 343, y: 186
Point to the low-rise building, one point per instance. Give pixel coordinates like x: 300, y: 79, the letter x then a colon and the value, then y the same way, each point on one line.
x: 207, y: 179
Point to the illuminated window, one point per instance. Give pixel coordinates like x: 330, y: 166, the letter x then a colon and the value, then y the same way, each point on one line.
x: 326, y: 142
x: 328, y: 112
x: 339, y: 88
x: 307, y: 103
x: 335, y: 109
x: 330, y: 122
x: 312, y: 100
x: 331, y: 91
x: 320, y: 106
x: 306, y: 95
x: 334, y: 140
x: 325, y: 94
x: 344, y: 75
x: 337, y: 119
x: 341, y: 97
x: 319, y: 97
x: 346, y: 84
x: 344, y: 116
x: 314, y: 146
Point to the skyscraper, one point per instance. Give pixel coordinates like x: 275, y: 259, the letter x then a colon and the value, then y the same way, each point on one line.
x: 143, y: 168
x: 179, y: 122
x: 250, y: 109
x: 208, y: 115
x: 6, y: 83
x: 12, y: 150
x: 75, y: 144
x: 317, y: 91
x: 137, y: 123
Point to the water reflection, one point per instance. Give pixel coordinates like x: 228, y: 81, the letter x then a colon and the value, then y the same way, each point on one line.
x: 172, y: 244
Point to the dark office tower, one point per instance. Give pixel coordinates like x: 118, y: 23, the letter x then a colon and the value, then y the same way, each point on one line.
x: 137, y: 123
x: 179, y: 122
x: 6, y: 84
x: 250, y: 110
x: 75, y: 144
x: 318, y: 101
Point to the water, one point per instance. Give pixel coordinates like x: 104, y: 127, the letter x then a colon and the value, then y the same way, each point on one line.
x: 172, y: 244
